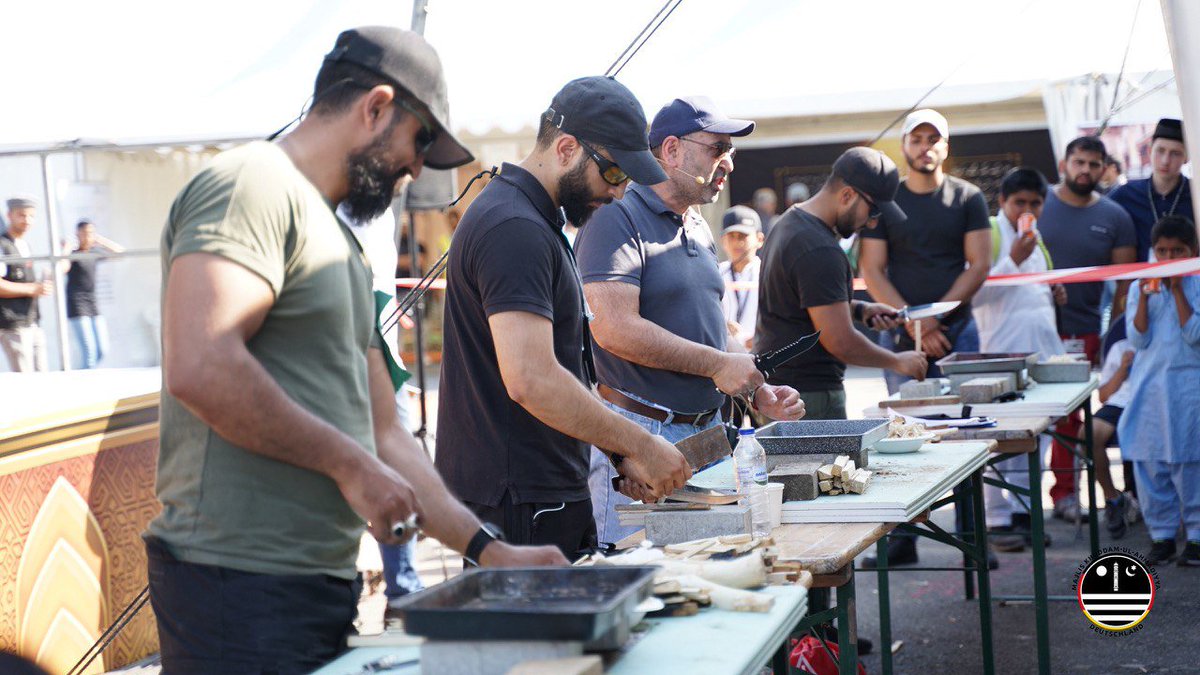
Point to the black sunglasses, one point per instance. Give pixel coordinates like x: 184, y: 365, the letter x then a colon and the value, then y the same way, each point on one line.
x: 722, y: 149
x: 427, y: 136
x: 609, y: 171
x: 874, y: 213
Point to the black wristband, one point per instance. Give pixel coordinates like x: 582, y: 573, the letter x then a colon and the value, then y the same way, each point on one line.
x: 856, y: 310
x: 486, y: 534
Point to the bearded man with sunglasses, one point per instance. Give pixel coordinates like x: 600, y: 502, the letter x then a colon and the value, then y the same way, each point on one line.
x: 665, y: 359
x: 278, y: 430
x: 516, y: 414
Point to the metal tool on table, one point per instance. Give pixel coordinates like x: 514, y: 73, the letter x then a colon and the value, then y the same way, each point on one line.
x: 932, y: 310
x: 701, y: 450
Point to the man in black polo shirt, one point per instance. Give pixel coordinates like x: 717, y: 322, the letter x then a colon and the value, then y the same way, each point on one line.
x: 806, y: 284
x: 515, y: 413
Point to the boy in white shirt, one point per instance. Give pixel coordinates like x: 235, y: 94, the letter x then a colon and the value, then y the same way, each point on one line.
x: 1017, y: 319
x: 1114, y: 396
x: 741, y: 238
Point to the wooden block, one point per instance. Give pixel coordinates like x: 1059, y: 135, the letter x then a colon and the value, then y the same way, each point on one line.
x: 839, y: 465
x: 779, y: 579
x: 666, y: 587
x: 825, y: 485
x: 835, y: 491
x: 681, y: 609
x: 849, y: 469
x: 825, y: 472
x: 579, y: 665
x: 736, y: 539
x: 858, y: 481
x: 984, y: 389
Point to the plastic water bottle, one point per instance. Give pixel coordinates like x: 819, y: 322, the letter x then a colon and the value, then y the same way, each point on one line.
x: 750, y: 468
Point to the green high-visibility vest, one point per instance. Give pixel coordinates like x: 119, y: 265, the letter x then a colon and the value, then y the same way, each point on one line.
x: 996, y: 238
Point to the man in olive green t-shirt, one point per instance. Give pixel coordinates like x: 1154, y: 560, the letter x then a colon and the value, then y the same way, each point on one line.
x: 279, y: 437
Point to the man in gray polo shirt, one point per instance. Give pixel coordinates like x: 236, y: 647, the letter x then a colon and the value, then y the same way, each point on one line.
x: 649, y: 268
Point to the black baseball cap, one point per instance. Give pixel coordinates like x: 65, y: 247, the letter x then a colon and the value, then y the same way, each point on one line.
x: 741, y: 219
x: 405, y: 58
x: 691, y: 114
x: 874, y: 174
x: 1170, y: 129
x: 603, y: 111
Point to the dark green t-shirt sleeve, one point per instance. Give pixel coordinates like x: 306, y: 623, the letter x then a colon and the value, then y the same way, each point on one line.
x: 243, y: 217
x: 977, y: 212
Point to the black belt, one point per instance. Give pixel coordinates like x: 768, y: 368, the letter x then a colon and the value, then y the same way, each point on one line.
x: 634, y: 406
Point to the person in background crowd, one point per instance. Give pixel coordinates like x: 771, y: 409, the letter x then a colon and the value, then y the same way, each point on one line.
x: 1160, y: 430
x: 796, y: 193
x: 88, y: 327
x: 1113, y: 178
x: 1017, y: 319
x: 1167, y: 192
x: 741, y: 237
x: 1120, y: 508
x: 766, y: 204
x: 1081, y: 228
x: 664, y: 357
x: 941, y: 253
x: 21, y: 335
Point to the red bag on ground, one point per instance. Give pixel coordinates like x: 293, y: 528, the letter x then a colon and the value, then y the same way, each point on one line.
x: 809, y: 655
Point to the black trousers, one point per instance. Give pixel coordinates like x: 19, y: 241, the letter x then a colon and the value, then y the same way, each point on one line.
x: 219, y: 620
x: 568, y: 525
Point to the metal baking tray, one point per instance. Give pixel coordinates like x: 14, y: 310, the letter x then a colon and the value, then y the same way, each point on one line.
x: 822, y: 437
x: 979, y: 362
x: 586, y: 604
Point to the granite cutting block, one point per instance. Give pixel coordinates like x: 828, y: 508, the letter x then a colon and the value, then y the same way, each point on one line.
x: 799, y: 479
x: 1011, y: 381
x: 822, y: 437
x: 914, y: 389
x: 676, y: 527
x: 985, y: 389
x: 1079, y: 371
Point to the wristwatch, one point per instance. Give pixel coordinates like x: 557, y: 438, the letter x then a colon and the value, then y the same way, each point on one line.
x: 487, y: 534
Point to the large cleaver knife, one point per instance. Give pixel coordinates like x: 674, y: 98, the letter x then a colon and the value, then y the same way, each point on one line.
x: 701, y: 450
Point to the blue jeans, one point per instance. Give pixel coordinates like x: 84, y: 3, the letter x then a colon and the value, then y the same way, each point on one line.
x: 963, y: 336
x: 91, y: 339
x: 604, y: 498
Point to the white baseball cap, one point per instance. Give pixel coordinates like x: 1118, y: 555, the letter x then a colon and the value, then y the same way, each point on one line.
x: 926, y: 116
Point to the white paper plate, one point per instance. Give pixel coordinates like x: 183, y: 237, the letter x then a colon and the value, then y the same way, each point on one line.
x: 895, y: 446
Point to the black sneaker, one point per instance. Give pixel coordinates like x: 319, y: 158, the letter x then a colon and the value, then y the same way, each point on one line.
x: 1005, y: 540
x: 1162, y: 551
x: 1115, y: 513
x: 900, y: 551
x: 1190, y: 556
x: 993, y: 561
x: 1023, y: 523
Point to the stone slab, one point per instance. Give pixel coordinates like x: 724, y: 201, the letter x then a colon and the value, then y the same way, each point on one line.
x: 799, y: 479
x: 488, y: 657
x: 675, y: 527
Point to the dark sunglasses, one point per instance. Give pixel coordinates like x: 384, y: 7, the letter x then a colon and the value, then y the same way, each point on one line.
x: 722, y: 149
x: 874, y: 213
x: 609, y: 171
x: 427, y: 136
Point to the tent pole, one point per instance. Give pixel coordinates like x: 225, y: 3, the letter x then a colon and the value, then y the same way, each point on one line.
x: 1178, y: 16
x: 52, y: 231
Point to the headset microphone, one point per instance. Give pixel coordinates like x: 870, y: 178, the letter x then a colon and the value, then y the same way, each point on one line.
x: 698, y: 179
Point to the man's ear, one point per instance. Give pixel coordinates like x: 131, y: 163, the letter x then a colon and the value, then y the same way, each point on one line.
x: 376, y: 106
x: 761, y: 238
x: 566, y: 148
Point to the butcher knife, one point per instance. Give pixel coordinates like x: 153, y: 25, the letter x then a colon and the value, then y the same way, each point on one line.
x: 701, y: 450
x: 931, y: 310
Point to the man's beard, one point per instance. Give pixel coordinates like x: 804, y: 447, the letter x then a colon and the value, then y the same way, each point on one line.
x: 845, y: 224
x: 372, y: 179
x: 575, y: 196
x: 912, y: 164
x: 1080, y: 190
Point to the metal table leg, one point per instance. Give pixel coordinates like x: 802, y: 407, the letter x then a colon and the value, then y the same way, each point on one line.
x: 885, y: 608
x: 985, y: 591
x: 962, y: 523
x: 1093, y: 524
x: 1037, y: 519
x: 847, y: 625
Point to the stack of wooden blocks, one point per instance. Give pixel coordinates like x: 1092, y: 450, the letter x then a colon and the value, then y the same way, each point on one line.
x: 842, y: 477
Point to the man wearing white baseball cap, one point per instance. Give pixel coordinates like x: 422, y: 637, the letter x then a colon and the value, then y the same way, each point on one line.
x: 942, y: 252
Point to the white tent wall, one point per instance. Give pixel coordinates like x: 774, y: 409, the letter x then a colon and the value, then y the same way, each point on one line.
x: 1182, y: 17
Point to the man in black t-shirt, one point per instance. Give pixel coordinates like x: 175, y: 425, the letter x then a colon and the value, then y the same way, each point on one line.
x: 516, y: 416
x: 806, y: 284
x: 941, y: 253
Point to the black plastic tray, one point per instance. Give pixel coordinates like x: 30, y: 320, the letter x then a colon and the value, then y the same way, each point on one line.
x: 528, y: 603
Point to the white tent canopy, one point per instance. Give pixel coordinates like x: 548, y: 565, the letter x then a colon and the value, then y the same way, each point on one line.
x: 137, y: 70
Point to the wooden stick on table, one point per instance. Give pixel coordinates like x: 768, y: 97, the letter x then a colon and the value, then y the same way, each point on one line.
x: 920, y: 350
